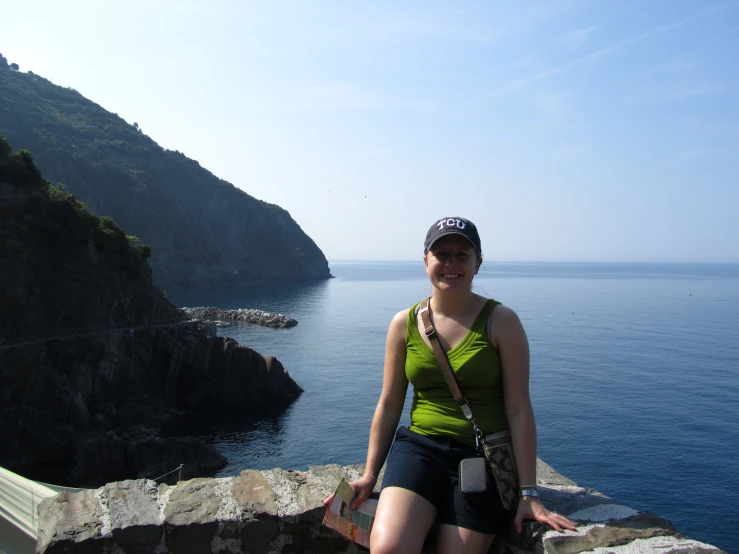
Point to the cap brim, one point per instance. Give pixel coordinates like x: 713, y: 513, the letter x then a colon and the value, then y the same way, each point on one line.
x: 452, y: 232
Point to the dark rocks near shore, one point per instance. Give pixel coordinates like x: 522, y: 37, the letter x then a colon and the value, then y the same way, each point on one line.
x: 99, y: 405
x: 140, y: 450
x: 257, y: 317
x: 96, y: 365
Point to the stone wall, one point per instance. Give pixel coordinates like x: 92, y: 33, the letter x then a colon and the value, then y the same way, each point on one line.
x: 281, y: 511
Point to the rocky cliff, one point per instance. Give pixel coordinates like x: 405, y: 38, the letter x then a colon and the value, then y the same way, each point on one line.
x: 94, y: 360
x: 203, y: 230
x: 94, y: 407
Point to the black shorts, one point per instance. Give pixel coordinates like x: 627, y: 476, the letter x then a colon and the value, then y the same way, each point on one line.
x: 429, y: 466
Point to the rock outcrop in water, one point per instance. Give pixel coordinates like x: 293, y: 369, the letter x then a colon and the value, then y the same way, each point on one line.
x: 258, y: 317
x: 280, y: 512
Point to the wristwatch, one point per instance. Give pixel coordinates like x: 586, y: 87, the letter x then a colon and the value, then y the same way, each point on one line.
x: 529, y: 492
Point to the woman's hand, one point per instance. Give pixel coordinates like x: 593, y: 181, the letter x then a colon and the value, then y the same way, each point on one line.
x: 363, y: 488
x: 532, y: 508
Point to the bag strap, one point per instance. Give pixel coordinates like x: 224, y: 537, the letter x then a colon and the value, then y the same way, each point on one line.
x: 446, y: 369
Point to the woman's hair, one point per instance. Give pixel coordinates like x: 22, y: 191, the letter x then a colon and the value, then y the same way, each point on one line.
x: 478, y: 253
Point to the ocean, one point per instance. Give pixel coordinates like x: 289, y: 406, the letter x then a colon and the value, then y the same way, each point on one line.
x: 633, y: 375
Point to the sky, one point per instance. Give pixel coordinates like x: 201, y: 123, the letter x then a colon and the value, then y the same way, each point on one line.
x: 574, y: 130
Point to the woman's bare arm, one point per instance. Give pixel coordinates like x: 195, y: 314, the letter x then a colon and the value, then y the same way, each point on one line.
x: 510, y: 338
x: 388, y: 410
x: 394, y: 387
x: 508, y: 335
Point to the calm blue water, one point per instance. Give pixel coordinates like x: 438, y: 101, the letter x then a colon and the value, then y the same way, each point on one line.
x: 634, y: 380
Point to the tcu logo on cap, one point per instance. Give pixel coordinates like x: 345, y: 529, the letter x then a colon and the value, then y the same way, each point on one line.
x: 458, y: 223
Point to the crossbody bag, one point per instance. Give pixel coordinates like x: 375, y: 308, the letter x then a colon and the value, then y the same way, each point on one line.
x: 495, y: 452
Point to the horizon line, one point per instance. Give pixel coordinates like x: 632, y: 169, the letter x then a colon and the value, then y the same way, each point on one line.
x: 566, y: 261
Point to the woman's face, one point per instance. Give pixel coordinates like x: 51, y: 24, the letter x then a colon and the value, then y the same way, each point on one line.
x: 452, y: 263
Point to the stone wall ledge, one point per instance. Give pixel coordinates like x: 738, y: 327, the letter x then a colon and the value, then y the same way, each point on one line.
x: 280, y: 511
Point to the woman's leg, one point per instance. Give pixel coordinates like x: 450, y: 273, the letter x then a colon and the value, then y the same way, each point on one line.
x: 458, y: 540
x: 402, y: 521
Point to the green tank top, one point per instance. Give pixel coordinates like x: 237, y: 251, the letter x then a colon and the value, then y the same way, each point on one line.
x: 476, y: 364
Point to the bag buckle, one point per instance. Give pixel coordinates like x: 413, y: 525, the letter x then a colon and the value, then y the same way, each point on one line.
x: 479, y: 438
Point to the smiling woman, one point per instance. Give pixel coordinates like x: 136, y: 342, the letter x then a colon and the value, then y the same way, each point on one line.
x: 452, y: 253
x: 486, y: 347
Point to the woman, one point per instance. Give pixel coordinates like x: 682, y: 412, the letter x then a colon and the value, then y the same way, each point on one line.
x: 488, y: 350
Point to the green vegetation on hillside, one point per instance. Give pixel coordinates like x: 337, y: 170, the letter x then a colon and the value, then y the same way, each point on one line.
x: 203, y: 230
x: 62, y: 267
x: 67, y: 219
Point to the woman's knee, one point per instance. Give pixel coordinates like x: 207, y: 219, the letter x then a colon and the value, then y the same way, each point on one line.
x: 402, y: 522
x: 452, y: 540
x: 392, y: 542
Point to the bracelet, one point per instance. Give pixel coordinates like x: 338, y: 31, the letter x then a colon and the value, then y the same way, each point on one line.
x: 370, y: 475
x: 528, y: 487
x: 523, y: 493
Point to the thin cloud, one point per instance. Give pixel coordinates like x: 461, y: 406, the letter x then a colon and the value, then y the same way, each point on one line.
x: 415, y: 27
x: 698, y: 90
x: 569, y: 151
x: 677, y: 65
x: 691, y: 154
x: 344, y: 96
x: 592, y: 56
x: 577, y: 38
x: 373, y: 153
x: 558, y: 109
x: 469, y: 26
x: 596, y: 55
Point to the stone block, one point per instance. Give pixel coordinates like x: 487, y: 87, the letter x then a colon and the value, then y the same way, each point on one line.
x: 134, y: 515
x: 190, y: 516
x: 253, y: 493
x: 259, y: 533
x: 72, y: 523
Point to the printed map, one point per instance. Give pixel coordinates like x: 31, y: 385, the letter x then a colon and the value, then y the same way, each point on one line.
x: 354, y: 524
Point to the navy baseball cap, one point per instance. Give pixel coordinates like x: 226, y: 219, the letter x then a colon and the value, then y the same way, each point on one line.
x: 453, y: 226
